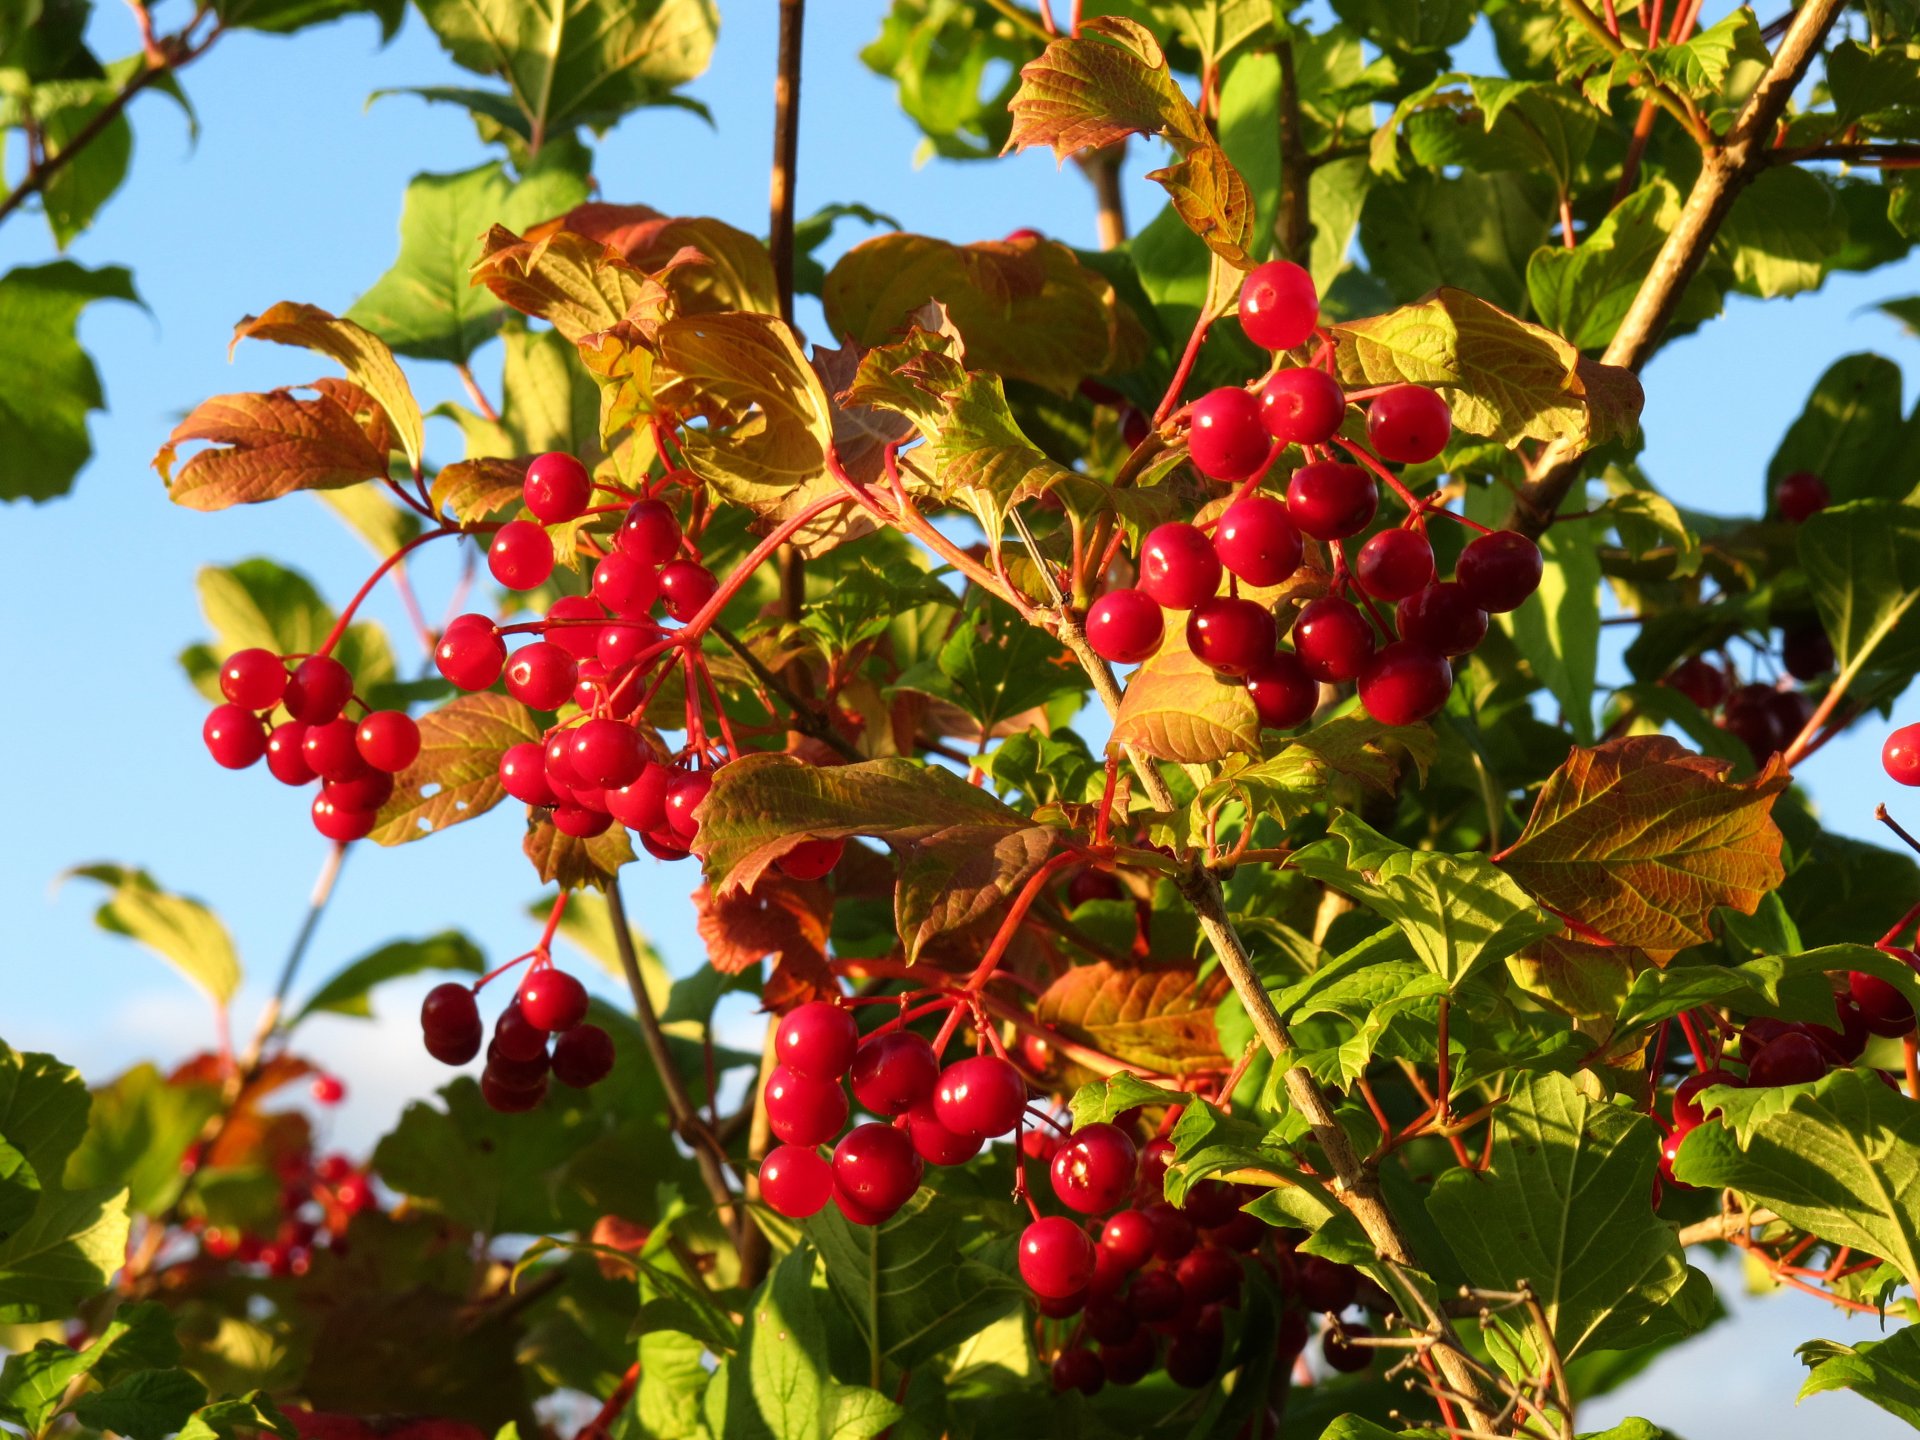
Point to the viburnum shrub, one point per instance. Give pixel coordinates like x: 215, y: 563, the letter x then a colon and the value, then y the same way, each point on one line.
x: 1132, y: 719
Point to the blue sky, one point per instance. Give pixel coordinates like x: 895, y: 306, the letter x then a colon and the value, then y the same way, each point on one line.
x: 293, y: 192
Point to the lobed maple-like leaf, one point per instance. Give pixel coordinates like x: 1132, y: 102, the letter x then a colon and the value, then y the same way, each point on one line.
x: 264, y: 446
x: 362, y: 354
x: 574, y: 282
x: 479, y: 489
x: 1351, y: 750
x: 718, y: 266
x: 1158, y: 1017
x: 457, y: 773
x: 1640, y: 839
x: 1176, y: 708
x: 780, y: 919
x: 571, y: 862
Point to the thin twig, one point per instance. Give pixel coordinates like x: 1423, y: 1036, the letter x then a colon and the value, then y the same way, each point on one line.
x: 806, y: 719
x: 786, y: 149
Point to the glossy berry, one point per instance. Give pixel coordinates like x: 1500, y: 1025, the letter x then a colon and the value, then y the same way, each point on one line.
x: 1342, y: 1354
x: 1800, y: 495
x: 234, y: 736
x: 253, y: 679
x: 1441, y: 617
x: 642, y: 806
x: 934, y: 1142
x: 574, y: 623
x: 1256, y: 540
x: 802, y: 1110
x: 1284, y: 694
x: 854, y: 1212
x: 521, y: 555
x: 1093, y: 1171
x: 1226, y: 440
x: 1128, y: 1362
x: 557, y: 488
x: 1323, y: 1284
x: 1194, y: 1354
x: 982, y: 1096
x: 541, y: 675
x: 367, y: 792
x: 286, y: 754
x: 1331, y: 499
x: 1178, y: 565
x: 893, y: 1072
x: 471, y: 653
x: 1499, y: 571
x: 606, y: 753
x: 450, y: 1023
x: 332, y: 751
x: 876, y: 1167
x: 327, y: 1090
x: 795, y: 1181
x: 1278, y: 305
x: 1129, y: 1235
x: 1900, y: 755
x: 318, y: 690
x: 1405, y: 684
x: 1056, y: 1257
x: 523, y: 774
x: 1173, y: 1234
x: 341, y: 823
x: 1701, y: 681
x: 1077, y: 1369
x: 388, y: 740
x: 516, y: 1038
x: 1394, y: 564
x: 685, y: 790
x: 625, y: 584
x: 1155, y: 1295
x: 685, y: 588
x: 552, y: 1000
x: 1408, y: 424
x: 650, y: 532
x: 1231, y: 636
x: 1332, y: 639
x: 1124, y: 626
x: 811, y: 859
x: 1302, y: 407
x: 1687, y: 1111
x: 1883, y: 1008
x: 1806, y: 652
x: 1794, y: 1058
x: 582, y: 1056
x: 816, y: 1040
x: 1209, y: 1274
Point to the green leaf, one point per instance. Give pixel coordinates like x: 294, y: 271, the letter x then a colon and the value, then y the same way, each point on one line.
x: 995, y: 668
x: 426, y: 305
x: 1887, y: 1372
x: 1584, y: 293
x: 1851, y: 434
x: 1862, y: 562
x: 1105, y: 1098
x: 939, y: 54
x: 457, y: 774
x: 178, y: 929
x: 784, y: 1359
x: 914, y: 1285
x: 146, y: 1406
x: 1564, y: 1207
x: 1348, y: 753
x: 1783, y: 232
x: 67, y: 1250
x: 283, y: 17
x: 19, y: 1190
x: 1790, y: 986
x: 34, y: 1383
x: 90, y: 175
x: 673, y: 1378
x: 350, y: 990
x: 48, y: 386
x: 1458, y: 912
x: 43, y: 1109
x: 1558, y: 631
x: 260, y: 603
x: 227, y: 1419
x: 1839, y: 1159
x: 1176, y: 708
x: 1474, y: 231
x: 585, y: 63
x: 140, y: 1127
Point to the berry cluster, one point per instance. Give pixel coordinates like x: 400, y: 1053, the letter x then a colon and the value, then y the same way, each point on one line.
x: 318, y: 1199
x: 1402, y: 664
x: 551, y: 1006
x: 291, y: 711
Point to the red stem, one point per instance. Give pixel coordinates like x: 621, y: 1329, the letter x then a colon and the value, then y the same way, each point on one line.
x: 1185, y: 368
x: 366, y: 588
x: 1017, y: 912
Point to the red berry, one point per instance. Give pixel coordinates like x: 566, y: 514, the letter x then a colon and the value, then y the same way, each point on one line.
x: 1302, y: 407
x: 1342, y: 1354
x: 811, y: 859
x: 253, y: 679
x: 1800, y: 495
x: 795, y: 1181
x: 1900, y: 755
x: 1173, y: 1234
x: 517, y: 1038
x: 521, y: 555
x: 685, y: 791
x: 327, y: 1090
x: 1405, y: 684
x: 523, y: 774
x: 1156, y: 1156
x: 552, y: 999
x: 1394, y: 564
x: 1256, y: 539
x: 934, y: 1142
x: 1134, y: 428
x: 625, y: 584
x: 816, y: 1040
x: 894, y: 1071
x: 1155, y: 1295
x: 1226, y: 440
x: 1078, y: 1369
x: 388, y: 740
x: 607, y: 753
x: 1124, y: 626
x: 505, y: 1098
x: 1284, y: 694
x: 582, y: 1056
x: 1408, y: 424
x: 1129, y: 1236
x: 557, y: 488
x: 1278, y: 305
x: 518, y: 1074
x: 1332, y: 639
x: 1093, y: 1171
x: 1178, y: 566
x: 1751, y: 717
x: 318, y: 690
x: 802, y: 1110
x: 286, y: 754
x: 982, y: 1096
x: 234, y: 736
x: 1324, y: 1284
x: 366, y: 792
x: 1806, y: 652
x: 1794, y: 1058
x: 1056, y: 1257
x: 541, y: 675
x: 650, y: 532
x: 1209, y: 1274
x: 1700, y: 681
x: 333, y: 752
x: 1499, y: 571
x: 642, y: 806
x: 1212, y: 1202
x: 471, y: 653
x: 1231, y: 636
x: 1128, y: 1362
x: 1331, y: 499
x: 876, y: 1167
x: 339, y: 823
x: 1194, y: 1354
x: 574, y: 623
x: 1884, y: 1009
x: 1687, y: 1112
x: 686, y: 588
x: 450, y: 1021
x: 618, y: 644
x: 1442, y: 617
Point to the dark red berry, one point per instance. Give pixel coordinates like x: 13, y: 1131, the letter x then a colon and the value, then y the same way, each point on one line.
x: 811, y: 859
x: 625, y: 584
x: 1332, y: 639
x: 1256, y: 539
x: 253, y: 679
x: 1155, y: 1295
x: 552, y: 1000
x: 582, y: 1056
x: 1129, y: 1235
x: 1108, y: 1319
x: 982, y: 1096
x: 517, y: 1038
x: 234, y: 736
x: 1194, y: 1355
x: 894, y: 1071
x: 1800, y: 495
x: 1302, y: 407
x: 1226, y: 440
x: 795, y: 1181
x: 1884, y: 1009
x: 450, y: 1022
x: 1124, y: 626
x: 1408, y: 424
x: 876, y: 1167
x: 1078, y: 1369
x: 1701, y: 681
x: 1094, y: 1169
x: 388, y: 740
x: 1212, y: 1202
x: 541, y: 675
x: 557, y: 488
x: 341, y: 824
x: 1405, y: 684
x: 521, y: 555
x: 1752, y: 718
x: 1686, y: 1108
x: 1442, y: 617
x: 286, y: 754
x: 333, y: 752
x: 1394, y: 564
x: 934, y: 1142
x: 1178, y: 565
x: 1331, y: 499
x: 1806, y: 652
x: 802, y: 1110
x: 685, y: 791
x: 1209, y: 1274
x: 1794, y: 1058
x: 1127, y: 1363
x: 1342, y: 1354
x: 1278, y: 305
x: 318, y: 690
x: 650, y: 532
x: 1172, y: 1232
x: 1056, y: 1256
x: 1284, y: 694
x: 1231, y: 636
x: 1324, y: 1284
x: 1499, y: 571
x: 686, y: 588
x: 471, y: 653
x: 817, y: 1040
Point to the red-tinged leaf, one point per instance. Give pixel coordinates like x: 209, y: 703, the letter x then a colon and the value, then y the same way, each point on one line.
x: 572, y: 863
x: 1212, y: 197
x: 1157, y: 1017
x: 367, y: 412
x: 265, y: 446
x: 1640, y: 839
x: 479, y: 489
x: 457, y: 775
x: 784, y: 920
x: 1586, y: 981
x: 730, y: 269
x: 1175, y: 708
x: 572, y: 281
x: 861, y: 433
x: 362, y: 354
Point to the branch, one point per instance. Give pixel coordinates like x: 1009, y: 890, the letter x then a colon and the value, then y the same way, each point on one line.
x: 1102, y: 169
x: 786, y: 145
x: 1724, y: 1227
x: 1724, y: 173
x: 1293, y: 225
x: 1674, y: 104
x: 807, y: 720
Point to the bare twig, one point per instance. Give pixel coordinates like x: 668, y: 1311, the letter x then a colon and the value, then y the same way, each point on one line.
x: 1293, y: 223
x: 786, y: 149
x: 1102, y: 169
x: 1725, y: 1226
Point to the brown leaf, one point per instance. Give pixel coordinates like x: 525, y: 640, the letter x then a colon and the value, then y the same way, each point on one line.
x: 861, y: 433
x: 571, y: 863
x: 785, y: 920
x: 362, y: 354
x: 479, y: 489
x: 572, y: 281
x: 1639, y: 839
x: 457, y: 774
x: 1158, y: 1017
x: 1175, y: 708
x: 732, y: 271
x: 266, y: 446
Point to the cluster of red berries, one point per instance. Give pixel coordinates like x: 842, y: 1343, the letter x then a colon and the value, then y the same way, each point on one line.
x: 926, y: 1115
x: 551, y: 1005
x: 354, y: 761
x: 318, y: 1199
x: 1402, y: 667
